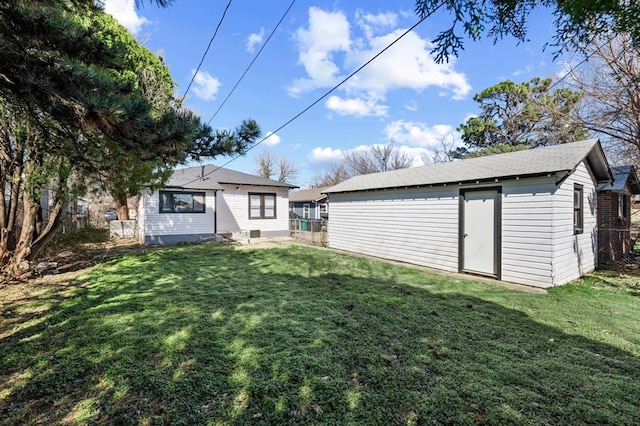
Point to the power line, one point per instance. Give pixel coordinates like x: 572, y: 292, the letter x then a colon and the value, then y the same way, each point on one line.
x: 206, y: 50
x: 314, y: 103
x: 251, y: 64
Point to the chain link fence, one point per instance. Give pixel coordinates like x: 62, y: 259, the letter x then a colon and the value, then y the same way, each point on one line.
x: 310, y: 230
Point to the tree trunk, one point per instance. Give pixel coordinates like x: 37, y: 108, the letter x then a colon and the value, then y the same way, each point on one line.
x: 18, y: 264
x: 49, y: 231
x: 4, y: 230
x: 123, y: 212
x: 10, y: 213
x: 5, y: 235
x: 122, y: 208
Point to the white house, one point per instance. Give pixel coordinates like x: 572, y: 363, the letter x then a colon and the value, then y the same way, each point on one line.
x: 200, y: 202
x: 526, y: 217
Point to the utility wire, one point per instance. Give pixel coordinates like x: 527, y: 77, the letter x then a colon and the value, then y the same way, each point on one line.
x: 206, y: 50
x: 251, y: 64
x: 314, y: 103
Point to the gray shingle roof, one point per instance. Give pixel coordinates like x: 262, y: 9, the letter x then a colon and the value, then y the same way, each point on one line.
x: 622, y: 176
x: 313, y: 194
x: 210, y: 177
x: 530, y: 162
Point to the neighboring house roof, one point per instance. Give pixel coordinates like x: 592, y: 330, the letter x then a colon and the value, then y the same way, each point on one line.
x: 212, y: 177
x: 622, y: 176
x: 532, y: 162
x: 307, y: 195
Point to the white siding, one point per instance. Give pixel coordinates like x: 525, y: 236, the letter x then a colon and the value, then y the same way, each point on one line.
x: 527, y: 235
x: 416, y: 226
x: 141, y: 216
x: 538, y: 246
x: 233, y: 211
x: 159, y: 224
x: 574, y: 255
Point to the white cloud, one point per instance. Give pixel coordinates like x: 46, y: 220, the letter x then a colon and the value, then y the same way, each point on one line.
x: 564, y: 68
x: 372, y: 24
x: 205, y: 86
x: 124, y: 12
x: 526, y: 70
x: 328, y: 33
x: 405, y: 13
x: 411, y: 106
x: 271, y: 139
x: 254, y: 39
x: 327, y: 51
x: 360, y: 107
x: 407, y: 64
x: 416, y: 153
x: 381, y: 20
x: 325, y: 155
x: 468, y: 116
x: 419, y: 134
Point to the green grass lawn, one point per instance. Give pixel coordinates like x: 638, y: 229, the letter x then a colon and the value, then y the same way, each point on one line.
x: 213, y: 334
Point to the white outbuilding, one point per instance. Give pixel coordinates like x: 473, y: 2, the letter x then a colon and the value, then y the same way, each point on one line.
x: 525, y: 217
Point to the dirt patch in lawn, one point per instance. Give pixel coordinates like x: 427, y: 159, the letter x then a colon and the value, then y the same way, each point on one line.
x: 91, y: 254
x: 65, y: 262
x: 62, y: 264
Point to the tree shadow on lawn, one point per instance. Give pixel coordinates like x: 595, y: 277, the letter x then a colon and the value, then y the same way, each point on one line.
x: 222, y: 336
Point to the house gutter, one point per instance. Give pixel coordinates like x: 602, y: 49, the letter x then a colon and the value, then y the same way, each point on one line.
x: 444, y: 184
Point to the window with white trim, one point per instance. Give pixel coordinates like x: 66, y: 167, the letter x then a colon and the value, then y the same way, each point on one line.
x: 305, y: 211
x: 181, y: 202
x: 578, y: 209
x: 262, y: 206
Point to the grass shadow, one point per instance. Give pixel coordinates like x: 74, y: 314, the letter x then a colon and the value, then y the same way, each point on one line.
x: 213, y: 335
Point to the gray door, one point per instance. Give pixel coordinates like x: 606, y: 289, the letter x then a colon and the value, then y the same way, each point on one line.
x: 480, y: 233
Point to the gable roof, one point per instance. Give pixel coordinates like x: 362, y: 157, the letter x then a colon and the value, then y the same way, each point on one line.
x: 313, y: 194
x: 531, y: 162
x: 212, y: 177
x: 622, y: 176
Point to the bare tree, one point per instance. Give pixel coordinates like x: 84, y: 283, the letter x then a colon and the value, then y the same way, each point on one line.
x: 287, y: 170
x: 266, y: 164
x: 359, y: 161
x: 336, y: 174
x: 442, y: 153
x: 610, y: 83
x: 376, y: 158
x: 362, y: 161
x: 391, y: 157
x: 272, y: 166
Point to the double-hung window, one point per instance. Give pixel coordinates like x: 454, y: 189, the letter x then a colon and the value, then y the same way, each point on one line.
x: 578, y: 209
x: 181, y: 202
x: 262, y: 206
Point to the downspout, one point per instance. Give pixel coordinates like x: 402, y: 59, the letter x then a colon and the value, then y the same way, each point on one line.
x: 215, y: 211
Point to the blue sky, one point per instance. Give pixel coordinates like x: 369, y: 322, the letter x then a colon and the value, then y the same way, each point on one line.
x: 403, y: 96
